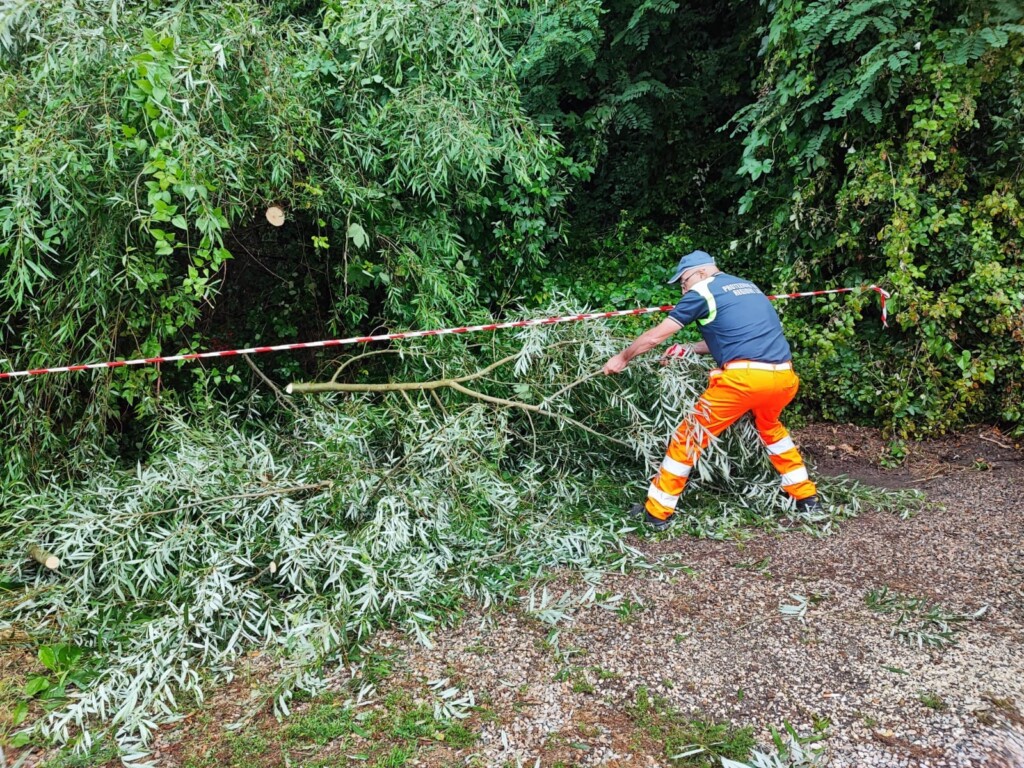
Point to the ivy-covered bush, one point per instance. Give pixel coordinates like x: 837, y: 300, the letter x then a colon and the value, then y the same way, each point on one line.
x: 886, y: 146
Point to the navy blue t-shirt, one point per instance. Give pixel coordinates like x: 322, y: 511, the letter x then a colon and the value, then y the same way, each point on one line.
x: 737, y: 321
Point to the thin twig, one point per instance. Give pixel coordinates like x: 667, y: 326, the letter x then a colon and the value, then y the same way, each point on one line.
x: 533, y: 434
x: 534, y: 409
x: 440, y: 404
x: 408, y: 400
x: 997, y: 442
x: 567, y: 387
x: 276, y: 389
x: 346, y: 363
x: 395, y: 386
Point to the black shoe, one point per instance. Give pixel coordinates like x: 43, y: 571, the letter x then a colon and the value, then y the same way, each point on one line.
x: 810, y: 506
x: 639, y: 512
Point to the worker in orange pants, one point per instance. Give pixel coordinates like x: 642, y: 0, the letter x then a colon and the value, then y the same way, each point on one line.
x: 742, y: 331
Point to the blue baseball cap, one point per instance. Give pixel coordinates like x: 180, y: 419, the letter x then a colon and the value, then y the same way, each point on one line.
x: 689, y: 261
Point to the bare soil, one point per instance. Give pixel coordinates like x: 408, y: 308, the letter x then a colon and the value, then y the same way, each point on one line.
x: 706, y: 634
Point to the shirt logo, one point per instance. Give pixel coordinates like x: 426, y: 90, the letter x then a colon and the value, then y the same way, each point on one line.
x: 740, y: 289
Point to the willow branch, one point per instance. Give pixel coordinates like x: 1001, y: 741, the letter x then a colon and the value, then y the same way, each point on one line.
x: 302, y: 387
x: 405, y: 457
x: 456, y: 384
x: 394, y: 386
x: 256, y: 495
x: 533, y: 409
x: 253, y: 495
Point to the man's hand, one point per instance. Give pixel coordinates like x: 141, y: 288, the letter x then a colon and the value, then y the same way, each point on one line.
x: 676, y: 350
x: 645, y: 342
x: 616, y: 364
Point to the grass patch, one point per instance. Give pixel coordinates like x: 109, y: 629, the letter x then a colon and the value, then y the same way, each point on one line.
x: 404, y: 721
x: 459, y: 736
x: 582, y: 685
x: 331, y: 734
x: 246, y: 747
x: 98, y: 754
x: 628, y: 610
x: 933, y: 701
x: 395, y: 758
x: 689, y: 742
x: 760, y: 566
x: 10, y: 695
x: 577, y: 676
x: 321, y: 724
x: 605, y: 674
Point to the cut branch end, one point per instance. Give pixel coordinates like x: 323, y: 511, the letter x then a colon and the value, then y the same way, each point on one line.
x: 44, y: 558
x: 275, y: 215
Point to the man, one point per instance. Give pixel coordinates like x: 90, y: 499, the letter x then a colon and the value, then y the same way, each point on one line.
x: 742, y: 332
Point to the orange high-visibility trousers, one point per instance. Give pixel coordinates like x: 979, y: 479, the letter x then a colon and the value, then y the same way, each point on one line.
x: 743, y: 386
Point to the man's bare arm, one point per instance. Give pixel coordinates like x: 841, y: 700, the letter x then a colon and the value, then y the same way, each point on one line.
x: 650, y: 339
x: 647, y: 341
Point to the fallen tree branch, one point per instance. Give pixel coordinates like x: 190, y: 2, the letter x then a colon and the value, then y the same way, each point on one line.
x: 567, y: 387
x: 395, y: 386
x: 534, y: 409
x: 1000, y: 443
x: 215, y: 499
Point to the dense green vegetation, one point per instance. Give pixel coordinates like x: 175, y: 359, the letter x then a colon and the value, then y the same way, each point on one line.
x: 440, y: 164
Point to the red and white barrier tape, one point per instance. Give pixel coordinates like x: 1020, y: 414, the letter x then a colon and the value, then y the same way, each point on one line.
x: 883, y: 296
x: 406, y: 335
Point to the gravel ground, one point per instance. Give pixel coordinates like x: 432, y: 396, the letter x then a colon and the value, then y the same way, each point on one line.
x: 713, y: 642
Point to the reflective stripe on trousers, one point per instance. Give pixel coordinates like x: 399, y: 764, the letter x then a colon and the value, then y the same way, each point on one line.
x: 730, y: 394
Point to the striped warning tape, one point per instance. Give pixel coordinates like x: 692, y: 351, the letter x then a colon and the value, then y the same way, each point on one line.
x: 884, y: 295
